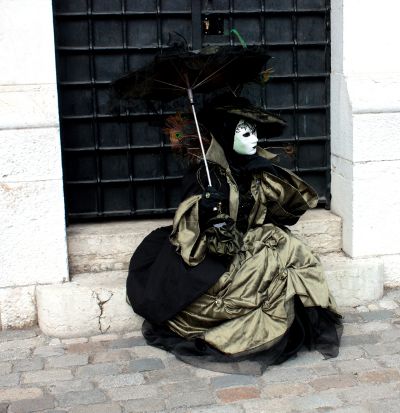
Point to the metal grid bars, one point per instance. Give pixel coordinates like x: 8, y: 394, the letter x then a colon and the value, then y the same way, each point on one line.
x: 120, y: 165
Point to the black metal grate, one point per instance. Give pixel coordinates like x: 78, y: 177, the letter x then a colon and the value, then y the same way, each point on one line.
x: 119, y: 166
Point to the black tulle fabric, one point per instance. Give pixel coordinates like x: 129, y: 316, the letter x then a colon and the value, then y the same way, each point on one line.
x: 314, y: 328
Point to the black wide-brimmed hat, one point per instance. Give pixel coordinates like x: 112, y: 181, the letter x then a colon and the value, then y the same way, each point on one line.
x: 228, y: 107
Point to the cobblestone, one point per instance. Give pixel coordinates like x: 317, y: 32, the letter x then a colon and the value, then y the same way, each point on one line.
x: 9, y: 380
x: 47, y: 376
x: 144, y: 405
x: 34, y: 405
x: 5, y: 368
x: 28, y: 365
x: 232, y: 380
x: 119, y: 373
x: 77, y: 398
x: 98, y: 370
x: 68, y: 360
x: 98, y: 408
x: 146, y: 365
x: 120, y: 380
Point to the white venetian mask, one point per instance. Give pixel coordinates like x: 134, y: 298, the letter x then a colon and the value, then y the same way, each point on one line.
x: 245, y: 139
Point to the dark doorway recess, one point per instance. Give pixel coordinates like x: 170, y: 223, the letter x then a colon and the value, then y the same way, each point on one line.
x: 121, y: 165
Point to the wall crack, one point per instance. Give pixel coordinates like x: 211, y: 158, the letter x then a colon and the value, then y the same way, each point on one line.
x: 101, y: 302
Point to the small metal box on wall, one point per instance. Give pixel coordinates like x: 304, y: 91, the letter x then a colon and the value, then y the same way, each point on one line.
x: 121, y: 164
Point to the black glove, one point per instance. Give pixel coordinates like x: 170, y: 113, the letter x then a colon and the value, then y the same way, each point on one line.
x: 211, y: 204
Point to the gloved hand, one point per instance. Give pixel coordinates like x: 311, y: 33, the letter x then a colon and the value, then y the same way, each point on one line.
x: 211, y: 204
x: 211, y: 201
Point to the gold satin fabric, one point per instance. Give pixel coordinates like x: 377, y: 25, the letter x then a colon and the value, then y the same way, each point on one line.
x: 251, y: 306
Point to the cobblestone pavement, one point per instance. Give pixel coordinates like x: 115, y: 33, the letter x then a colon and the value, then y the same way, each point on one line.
x: 120, y: 373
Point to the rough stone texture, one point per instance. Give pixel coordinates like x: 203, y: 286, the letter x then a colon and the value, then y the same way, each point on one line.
x: 38, y: 103
x: 321, y: 230
x: 106, y: 247
x: 109, y: 247
x: 18, y: 393
x: 47, y: 376
x: 120, y: 380
x: 17, y: 307
x: 68, y: 360
x: 34, y: 405
x: 32, y: 236
x: 77, y: 398
x: 353, y: 281
x: 29, y: 40
x: 144, y: 405
x: 33, y: 155
x: 89, y: 305
x: 98, y: 408
x: 391, y: 267
x: 95, y: 303
x: 365, y: 105
x: 238, y: 393
x: 365, y: 373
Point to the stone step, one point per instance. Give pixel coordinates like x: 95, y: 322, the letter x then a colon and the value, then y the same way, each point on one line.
x: 95, y: 247
x: 93, y: 304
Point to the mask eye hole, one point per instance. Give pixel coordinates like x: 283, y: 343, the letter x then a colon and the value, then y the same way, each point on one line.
x: 246, y: 135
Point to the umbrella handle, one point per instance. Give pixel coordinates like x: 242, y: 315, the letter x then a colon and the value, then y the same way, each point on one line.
x: 190, y: 96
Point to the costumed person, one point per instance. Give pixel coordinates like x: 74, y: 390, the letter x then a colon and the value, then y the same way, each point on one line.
x: 227, y: 287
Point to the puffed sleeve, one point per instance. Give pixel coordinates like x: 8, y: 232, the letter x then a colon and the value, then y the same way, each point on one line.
x: 286, y: 196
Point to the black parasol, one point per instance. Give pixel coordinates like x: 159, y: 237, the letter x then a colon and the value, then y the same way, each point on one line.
x: 174, y: 74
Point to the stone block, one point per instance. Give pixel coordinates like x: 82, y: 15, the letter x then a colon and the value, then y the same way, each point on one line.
x: 26, y: 43
x: 281, y: 390
x: 69, y: 386
x: 370, y: 128
x: 356, y: 366
x: 391, y: 267
x: 17, y: 307
x: 353, y: 281
x: 151, y: 404
x: 30, y: 155
x: 235, y: 394
x: 321, y: 230
x: 28, y: 106
x: 334, y: 382
x: 120, y: 380
x: 199, y: 398
x: 5, y: 368
x: 46, y: 376
x: 97, y: 408
x: 93, y: 370
x: 68, y: 360
x: 365, y: 392
x: 15, y: 354
x: 9, y: 380
x: 89, y: 305
x: 32, y: 233
x: 232, y: 380
x: 133, y: 392
x: 76, y: 398
x: 28, y: 365
x: 106, y: 247
x: 377, y: 219
x: 146, y: 364
x: 30, y: 406
x: 18, y: 393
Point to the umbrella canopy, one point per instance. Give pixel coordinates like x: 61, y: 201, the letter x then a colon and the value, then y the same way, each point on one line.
x: 174, y: 74
x: 170, y: 75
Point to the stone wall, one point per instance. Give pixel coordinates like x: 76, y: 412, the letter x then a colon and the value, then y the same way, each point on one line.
x: 366, y: 129
x: 32, y: 225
